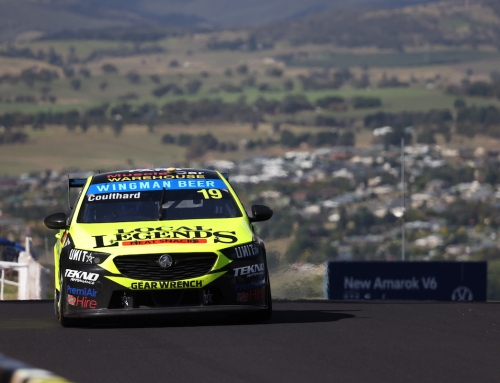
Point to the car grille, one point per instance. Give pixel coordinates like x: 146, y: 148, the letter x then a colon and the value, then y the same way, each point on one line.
x: 184, y: 266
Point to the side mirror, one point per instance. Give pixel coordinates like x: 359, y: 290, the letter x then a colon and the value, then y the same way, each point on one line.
x: 260, y: 213
x: 56, y: 221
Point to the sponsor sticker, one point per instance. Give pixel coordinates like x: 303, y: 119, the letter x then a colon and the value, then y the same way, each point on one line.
x: 81, y: 276
x: 164, y: 235
x: 165, y: 285
x: 155, y: 175
x: 242, y: 297
x: 252, y: 295
x: 81, y: 256
x: 71, y: 300
x: 249, y: 286
x: 84, y: 291
x: 246, y: 251
x: 250, y: 271
x: 163, y: 241
x: 136, y: 186
x: 113, y: 196
x: 83, y: 302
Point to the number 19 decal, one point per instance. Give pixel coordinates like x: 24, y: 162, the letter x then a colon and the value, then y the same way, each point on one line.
x: 210, y: 193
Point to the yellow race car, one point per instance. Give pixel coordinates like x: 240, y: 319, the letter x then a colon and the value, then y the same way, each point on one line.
x: 159, y: 241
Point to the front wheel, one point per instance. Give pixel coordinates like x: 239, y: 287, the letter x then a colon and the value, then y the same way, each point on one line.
x: 59, y: 306
x: 267, y: 314
x: 56, y: 303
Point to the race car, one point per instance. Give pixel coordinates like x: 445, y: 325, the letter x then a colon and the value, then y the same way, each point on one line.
x: 159, y: 241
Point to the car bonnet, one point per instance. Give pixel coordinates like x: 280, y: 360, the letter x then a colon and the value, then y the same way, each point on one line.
x: 199, y: 235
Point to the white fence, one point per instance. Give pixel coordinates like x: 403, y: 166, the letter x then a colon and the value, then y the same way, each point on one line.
x: 31, y: 282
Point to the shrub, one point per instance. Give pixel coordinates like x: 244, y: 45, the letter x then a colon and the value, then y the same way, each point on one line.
x: 366, y: 102
x: 109, y: 69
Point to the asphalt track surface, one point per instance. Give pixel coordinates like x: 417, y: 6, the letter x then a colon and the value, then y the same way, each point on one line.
x: 307, y: 341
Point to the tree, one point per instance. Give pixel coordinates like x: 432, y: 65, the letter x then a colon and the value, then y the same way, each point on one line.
x: 363, y: 82
x: 459, y: 103
x: 347, y: 139
x: 193, y: 86
x: 301, y: 244
x: 263, y: 87
x: 249, y: 81
x: 242, y: 69
x: 117, y: 125
x: 71, y: 119
x: 360, y: 102
x: 109, y: 69
x: 39, y: 121
x: 84, y: 124
x: 76, y: 83
x: 151, y: 125
x: 394, y: 137
x: 164, y: 89
x: 288, y: 85
x: 72, y: 57
x: 84, y: 72
x: 54, y: 58
x: 295, y: 103
x: 426, y: 137
x: 328, y: 101
x: 274, y: 72
x: 28, y: 76
x: 168, y: 139
x: 133, y: 77
x: 480, y: 88
x: 103, y: 85
x: 69, y: 72
x: 195, y: 150
x: 155, y: 78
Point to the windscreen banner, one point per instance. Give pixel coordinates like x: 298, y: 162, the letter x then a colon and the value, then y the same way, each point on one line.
x: 426, y: 281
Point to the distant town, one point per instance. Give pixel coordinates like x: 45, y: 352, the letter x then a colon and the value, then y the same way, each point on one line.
x: 341, y: 203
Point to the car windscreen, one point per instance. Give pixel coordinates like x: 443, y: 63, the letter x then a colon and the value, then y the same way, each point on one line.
x: 104, y: 205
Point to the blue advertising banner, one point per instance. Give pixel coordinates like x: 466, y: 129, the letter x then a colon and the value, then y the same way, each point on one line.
x: 435, y: 281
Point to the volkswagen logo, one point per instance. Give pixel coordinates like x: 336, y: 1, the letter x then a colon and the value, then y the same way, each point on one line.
x: 462, y: 293
x: 165, y: 261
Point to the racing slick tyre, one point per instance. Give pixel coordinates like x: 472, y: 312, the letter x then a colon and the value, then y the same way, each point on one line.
x: 56, y: 303
x: 59, y: 307
x: 265, y: 315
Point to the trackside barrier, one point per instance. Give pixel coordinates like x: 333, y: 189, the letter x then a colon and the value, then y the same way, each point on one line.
x: 14, y: 371
x: 32, y: 277
x: 9, y: 265
x: 427, y: 281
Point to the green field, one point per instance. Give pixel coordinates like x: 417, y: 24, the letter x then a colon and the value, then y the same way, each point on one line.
x: 57, y: 148
x: 393, y: 99
x: 390, y: 60
x: 193, y: 58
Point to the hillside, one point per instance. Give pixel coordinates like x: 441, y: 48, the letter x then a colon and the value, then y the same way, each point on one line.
x: 25, y: 18
x: 448, y: 23
x: 30, y: 18
x: 230, y: 13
